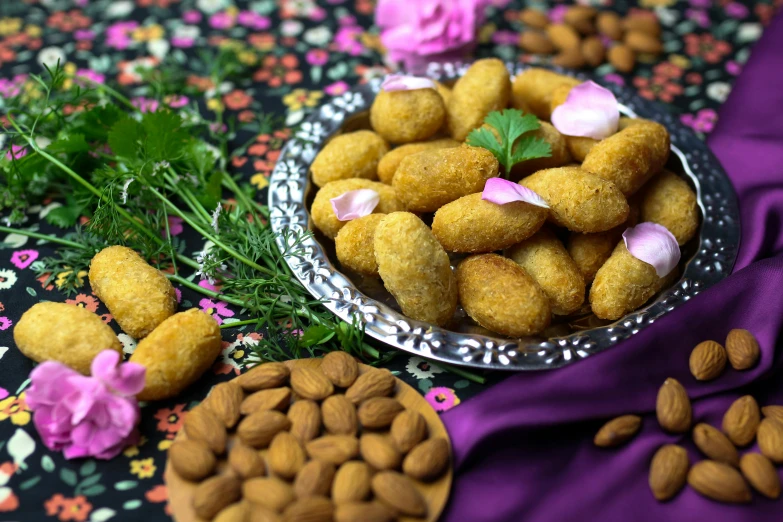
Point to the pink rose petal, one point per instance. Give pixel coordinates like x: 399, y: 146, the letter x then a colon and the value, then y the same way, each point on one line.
x: 125, y: 379
x: 355, y: 204
x: 590, y: 111
x: 501, y: 191
x: 653, y: 244
x: 400, y: 82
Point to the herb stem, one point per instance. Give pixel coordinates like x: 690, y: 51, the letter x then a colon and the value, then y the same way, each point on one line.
x: 200, y: 289
x: 239, y: 323
x: 36, y: 235
x: 462, y: 373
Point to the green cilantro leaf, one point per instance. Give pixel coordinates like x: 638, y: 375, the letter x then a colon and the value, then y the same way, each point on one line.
x: 126, y: 138
x: 165, y: 136
x: 65, y: 216
x: 508, y: 144
x: 69, y: 143
x: 96, y: 122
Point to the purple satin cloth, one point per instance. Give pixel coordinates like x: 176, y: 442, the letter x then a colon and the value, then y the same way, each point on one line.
x: 523, y: 449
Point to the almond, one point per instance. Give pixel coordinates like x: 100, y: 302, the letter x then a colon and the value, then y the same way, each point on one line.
x: 305, y: 417
x: 271, y: 493
x: 715, y: 444
x: 286, y: 457
x: 314, y: 479
x: 428, y: 460
x: 202, y: 425
x: 397, y: 491
x: 563, y: 36
x: 271, y: 399
x: 773, y: 412
x: 379, y: 412
x: 214, y: 494
x: 333, y: 448
x: 673, y: 407
x: 312, y: 384
x: 576, y: 13
x: 310, y: 509
x: 762, y: 475
x: 258, y: 430
x: 351, y: 482
x: 407, y: 430
x: 668, y: 471
x: 339, y: 416
x: 770, y: 439
x: 718, y: 481
x: 236, y: 512
x: 609, y: 24
x: 708, y: 360
x: 258, y: 513
x: 593, y: 51
x: 643, y: 42
x: 340, y: 368
x: 245, y: 461
x: 571, y: 58
x: 534, y: 18
x: 378, y: 452
x: 741, y: 421
x: 617, y: 431
x: 373, y: 383
x: 263, y: 376
x: 743, y: 349
x: 622, y: 58
x: 363, y: 512
x: 192, y: 459
x: 225, y: 400
x: 536, y: 42
x: 646, y: 23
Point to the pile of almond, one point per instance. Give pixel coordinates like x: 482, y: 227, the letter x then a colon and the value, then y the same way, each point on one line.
x: 724, y: 476
x: 310, y: 444
x: 581, y: 40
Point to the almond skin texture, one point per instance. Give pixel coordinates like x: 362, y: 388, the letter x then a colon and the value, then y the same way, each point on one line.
x: 245, y: 461
x: 202, y: 425
x: 216, y: 493
x: 378, y: 452
x: 622, y: 58
x: 593, y: 51
x: 271, y: 399
x: 743, y: 349
x: 609, y: 24
x: 398, y: 492
x: 571, y: 58
x: 534, y: 18
x: 263, y: 376
x: 770, y: 439
x: 236, y: 512
x: 536, y: 42
x: 407, y: 430
x: 643, y: 42
x: 428, y: 460
x: 311, y: 384
x: 310, y: 509
x: 378, y: 412
x: 563, y: 36
x: 617, y: 431
x: 192, y: 460
x: 271, y: 493
x: 673, y: 407
x: 225, y: 401
x: 719, y: 482
x: 314, y: 479
x: 363, y: 512
x: 708, y: 360
x: 762, y: 475
x: 286, y: 457
x: 351, y: 482
x: 774, y: 412
x: 374, y: 383
x: 742, y: 420
x: 339, y: 416
x: 644, y: 23
x: 333, y: 448
x: 668, y: 471
x: 258, y: 430
x: 340, y: 368
x: 715, y: 445
x: 305, y: 417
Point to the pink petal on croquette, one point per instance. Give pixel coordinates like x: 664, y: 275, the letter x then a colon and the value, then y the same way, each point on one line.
x: 590, y: 111
x: 400, y: 82
x: 355, y: 204
x: 653, y: 244
x: 501, y: 191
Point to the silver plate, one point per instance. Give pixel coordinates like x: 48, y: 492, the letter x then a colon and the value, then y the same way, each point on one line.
x: 713, y: 253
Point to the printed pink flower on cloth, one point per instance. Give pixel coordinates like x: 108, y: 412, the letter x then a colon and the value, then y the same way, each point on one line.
x: 653, y: 244
x: 501, y: 191
x: 218, y: 310
x: 400, y: 82
x: 87, y: 416
x: 416, y: 33
x: 590, y: 111
x: 16, y: 152
x: 355, y: 204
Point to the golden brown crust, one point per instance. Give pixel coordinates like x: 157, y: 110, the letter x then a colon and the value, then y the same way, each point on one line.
x: 590, y: 251
x: 485, y: 87
x: 444, y: 91
x: 532, y: 91
x: 406, y: 116
x: 579, y: 146
x: 415, y: 268
x: 669, y: 201
x: 545, y: 259
x: 500, y: 296
x: 560, y: 155
x: 65, y: 333
x: 351, y: 155
x: 473, y: 225
x: 354, y: 244
x: 389, y: 163
x: 323, y: 214
x: 138, y: 295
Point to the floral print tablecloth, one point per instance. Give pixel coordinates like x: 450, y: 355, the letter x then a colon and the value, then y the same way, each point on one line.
x: 311, y: 50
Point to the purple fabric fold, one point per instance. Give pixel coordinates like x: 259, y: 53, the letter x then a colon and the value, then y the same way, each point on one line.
x: 523, y: 449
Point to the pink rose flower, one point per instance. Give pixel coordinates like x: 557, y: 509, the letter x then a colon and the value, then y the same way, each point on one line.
x: 87, y: 416
x: 417, y: 33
